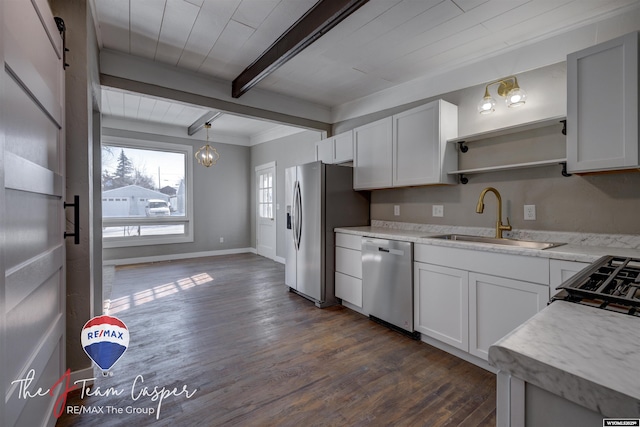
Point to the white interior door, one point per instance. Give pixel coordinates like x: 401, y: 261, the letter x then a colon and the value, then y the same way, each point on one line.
x: 32, y: 275
x: 265, y: 210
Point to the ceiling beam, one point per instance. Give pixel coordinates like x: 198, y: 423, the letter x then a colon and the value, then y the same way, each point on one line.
x: 207, y: 117
x: 318, y: 20
x: 212, y: 103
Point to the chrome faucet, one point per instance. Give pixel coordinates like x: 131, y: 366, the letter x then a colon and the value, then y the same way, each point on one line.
x: 480, y: 208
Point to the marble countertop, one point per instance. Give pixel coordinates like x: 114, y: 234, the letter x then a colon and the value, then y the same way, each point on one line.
x: 587, y: 355
x: 583, y: 247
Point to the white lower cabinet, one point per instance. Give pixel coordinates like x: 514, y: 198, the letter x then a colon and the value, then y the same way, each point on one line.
x: 349, y: 289
x: 498, y: 305
x: 561, y: 271
x: 348, y: 275
x: 441, y: 304
x: 470, y: 299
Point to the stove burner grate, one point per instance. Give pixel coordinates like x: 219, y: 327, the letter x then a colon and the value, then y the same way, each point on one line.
x: 611, y: 283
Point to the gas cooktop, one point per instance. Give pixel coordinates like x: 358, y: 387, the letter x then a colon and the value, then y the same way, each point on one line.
x: 611, y: 283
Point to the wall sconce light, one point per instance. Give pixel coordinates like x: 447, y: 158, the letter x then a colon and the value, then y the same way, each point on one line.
x: 207, y: 155
x: 508, y: 88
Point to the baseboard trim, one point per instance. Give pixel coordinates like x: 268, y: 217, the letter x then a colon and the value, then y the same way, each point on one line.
x: 173, y: 257
x: 279, y: 259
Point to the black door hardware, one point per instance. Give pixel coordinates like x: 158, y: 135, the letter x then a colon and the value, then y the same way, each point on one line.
x: 76, y: 219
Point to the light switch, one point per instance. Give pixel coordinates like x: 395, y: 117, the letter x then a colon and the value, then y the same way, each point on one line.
x: 396, y: 210
x: 437, y: 210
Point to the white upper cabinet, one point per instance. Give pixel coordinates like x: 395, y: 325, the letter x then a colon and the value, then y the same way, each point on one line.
x: 421, y: 154
x: 336, y: 149
x: 372, y: 155
x: 343, y: 147
x: 324, y: 151
x: 409, y: 148
x: 602, y: 106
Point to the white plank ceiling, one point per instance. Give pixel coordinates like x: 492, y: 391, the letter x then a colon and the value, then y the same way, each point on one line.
x: 383, y: 44
x: 132, y: 106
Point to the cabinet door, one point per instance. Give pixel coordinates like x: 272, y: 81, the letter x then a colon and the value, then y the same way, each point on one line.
x: 497, y: 306
x: 343, y: 147
x: 421, y: 155
x: 560, y: 271
x: 441, y: 304
x: 372, y: 155
x: 324, y: 151
x: 602, y: 106
x: 416, y: 146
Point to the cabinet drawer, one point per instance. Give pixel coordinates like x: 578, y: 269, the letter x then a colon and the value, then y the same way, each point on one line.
x: 349, y: 261
x: 349, y: 289
x: 350, y: 241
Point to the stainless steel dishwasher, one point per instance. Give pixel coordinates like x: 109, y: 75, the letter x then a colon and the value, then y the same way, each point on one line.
x: 387, y: 283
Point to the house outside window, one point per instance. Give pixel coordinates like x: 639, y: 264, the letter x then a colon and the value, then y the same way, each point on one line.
x: 147, y: 193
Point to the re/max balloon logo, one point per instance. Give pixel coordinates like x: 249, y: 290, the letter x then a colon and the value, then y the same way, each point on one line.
x: 105, y: 339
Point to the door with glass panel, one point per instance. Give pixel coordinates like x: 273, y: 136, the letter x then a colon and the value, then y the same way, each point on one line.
x: 265, y: 210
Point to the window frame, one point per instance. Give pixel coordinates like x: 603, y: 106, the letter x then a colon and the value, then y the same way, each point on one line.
x: 261, y: 192
x: 187, y: 219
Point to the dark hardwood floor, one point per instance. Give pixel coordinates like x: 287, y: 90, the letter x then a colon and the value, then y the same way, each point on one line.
x: 226, y: 331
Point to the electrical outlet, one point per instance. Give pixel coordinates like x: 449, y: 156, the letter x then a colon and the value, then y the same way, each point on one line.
x: 530, y: 212
x: 222, y: 240
x: 396, y: 210
x: 437, y: 210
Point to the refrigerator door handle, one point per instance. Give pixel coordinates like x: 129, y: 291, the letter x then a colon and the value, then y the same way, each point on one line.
x: 294, y: 215
x: 298, y: 230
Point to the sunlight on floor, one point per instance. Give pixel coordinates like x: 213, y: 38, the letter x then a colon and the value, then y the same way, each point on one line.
x: 124, y: 303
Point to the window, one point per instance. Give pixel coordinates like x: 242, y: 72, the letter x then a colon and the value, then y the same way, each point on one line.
x: 265, y: 195
x: 147, y: 193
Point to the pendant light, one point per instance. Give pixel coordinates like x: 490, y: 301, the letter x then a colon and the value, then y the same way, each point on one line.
x: 207, y: 155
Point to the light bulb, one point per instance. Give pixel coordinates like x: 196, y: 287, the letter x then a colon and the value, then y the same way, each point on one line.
x: 516, y: 97
x: 486, y: 105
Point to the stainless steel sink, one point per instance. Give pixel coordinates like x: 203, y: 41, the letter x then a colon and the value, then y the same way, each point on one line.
x: 493, y: 241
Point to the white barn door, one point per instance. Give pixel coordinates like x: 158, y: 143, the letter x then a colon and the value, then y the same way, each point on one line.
x: 32, y: 220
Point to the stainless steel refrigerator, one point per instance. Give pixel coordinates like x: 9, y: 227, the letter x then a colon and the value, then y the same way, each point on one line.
x: 318, y: 197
